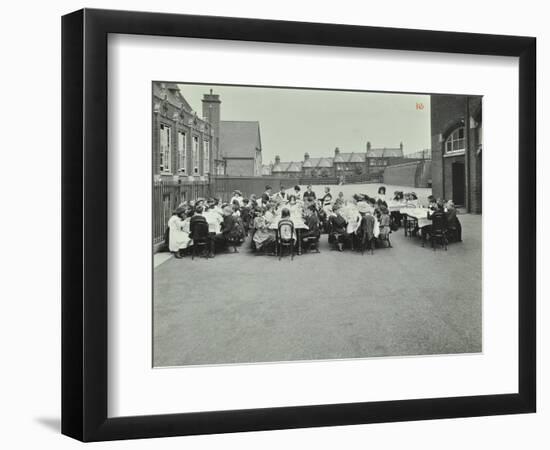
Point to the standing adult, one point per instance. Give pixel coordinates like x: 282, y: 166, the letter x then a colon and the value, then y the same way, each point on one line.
x: 309, y: 195
x: 297, y: 192
x: 326, y: 200
x: 281, y: 196
x: 237, y: 197
x: 266, y: 196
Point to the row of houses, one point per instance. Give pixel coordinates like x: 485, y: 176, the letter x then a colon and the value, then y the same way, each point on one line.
x: 372, y: 161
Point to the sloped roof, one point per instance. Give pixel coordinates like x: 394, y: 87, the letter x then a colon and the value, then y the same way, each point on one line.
x: 173, y: 93
x: 325, y: 162
x: 385, y: 153
x: 239, y: 139
x: 280, y: 167
x: 285, y: 166
x: 318, y: 162
x: 353, y: 157
x: 294, y: 167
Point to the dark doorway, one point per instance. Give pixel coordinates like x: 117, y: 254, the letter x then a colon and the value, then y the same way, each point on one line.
x: 458, y: 183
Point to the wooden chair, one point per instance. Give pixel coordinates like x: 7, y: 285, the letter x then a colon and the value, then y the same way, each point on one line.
x: 285, y: 237
x: 311, y: 242
x: 201, y: 238
x: 410, y: 225
x: 439, y: 231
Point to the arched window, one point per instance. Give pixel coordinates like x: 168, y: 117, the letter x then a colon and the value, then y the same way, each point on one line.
x: 456, y: 141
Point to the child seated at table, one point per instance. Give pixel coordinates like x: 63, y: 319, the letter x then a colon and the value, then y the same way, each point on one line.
x: 311, y: 236
x: 263, y: 237
x: 287, y: 232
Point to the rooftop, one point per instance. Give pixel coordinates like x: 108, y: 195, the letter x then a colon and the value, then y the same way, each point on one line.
x: 239, y: 138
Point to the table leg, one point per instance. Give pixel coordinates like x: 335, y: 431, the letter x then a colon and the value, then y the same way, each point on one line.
x: 299, y: 237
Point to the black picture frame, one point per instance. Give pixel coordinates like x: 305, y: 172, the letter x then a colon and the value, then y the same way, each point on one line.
x: 84, y: 224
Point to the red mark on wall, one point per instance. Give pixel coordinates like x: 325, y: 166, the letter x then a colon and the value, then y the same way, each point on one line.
x: 419, y: 106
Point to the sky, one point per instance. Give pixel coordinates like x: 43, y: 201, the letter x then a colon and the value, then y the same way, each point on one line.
x: 295, y: 121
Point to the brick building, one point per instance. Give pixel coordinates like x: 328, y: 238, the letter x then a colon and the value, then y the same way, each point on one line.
x: 378, y: 158
x: 184, y: 145
x: 456, y: 130
x: 241, y: 147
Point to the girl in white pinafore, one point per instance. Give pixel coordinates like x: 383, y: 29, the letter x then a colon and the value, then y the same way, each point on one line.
x: 179, y: 232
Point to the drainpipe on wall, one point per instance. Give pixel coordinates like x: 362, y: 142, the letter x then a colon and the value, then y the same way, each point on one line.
x: 442, y: 156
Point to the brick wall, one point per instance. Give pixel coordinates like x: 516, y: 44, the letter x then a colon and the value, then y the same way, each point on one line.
x: 240, y: 167
x: 402, y: 174
x: 414, y: 174
x: 447, y: 113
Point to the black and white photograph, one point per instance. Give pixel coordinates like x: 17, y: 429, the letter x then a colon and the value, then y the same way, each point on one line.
x: 299, y: 224
x: 275, y: 225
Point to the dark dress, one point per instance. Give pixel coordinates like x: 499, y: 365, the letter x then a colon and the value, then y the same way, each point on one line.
x: 337, y: 229
x: 312, y: 222
x: 233, y: 229
x: 453, y: 225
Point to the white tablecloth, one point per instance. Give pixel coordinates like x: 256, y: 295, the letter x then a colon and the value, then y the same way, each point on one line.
x: 420, y: 214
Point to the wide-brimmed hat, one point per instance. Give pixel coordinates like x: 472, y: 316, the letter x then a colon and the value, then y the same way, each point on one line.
x: 227, y: 211
x: 363, y: 207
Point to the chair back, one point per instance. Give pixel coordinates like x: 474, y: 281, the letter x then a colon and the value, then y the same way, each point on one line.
x: 286, y: 231
x: 439, y: 224
x: 200, y: 231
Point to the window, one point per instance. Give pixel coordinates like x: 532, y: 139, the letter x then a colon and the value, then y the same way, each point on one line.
x: 195, y: 155
x: 456, y: 141
x: 206, y: 156
x: 182, y: 152
x: 165, y: 146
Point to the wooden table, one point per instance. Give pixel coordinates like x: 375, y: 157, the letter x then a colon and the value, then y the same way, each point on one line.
x: 419, y: 215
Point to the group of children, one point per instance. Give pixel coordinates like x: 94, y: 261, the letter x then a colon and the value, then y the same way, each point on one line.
x: 350, y: 223
x: 229, y: 224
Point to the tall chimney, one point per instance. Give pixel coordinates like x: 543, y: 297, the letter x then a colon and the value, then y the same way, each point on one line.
x: 277, y: 159
x: 211, y: 111
x: 306, y: 156
x: 336, y: 151
x: 401, y: 146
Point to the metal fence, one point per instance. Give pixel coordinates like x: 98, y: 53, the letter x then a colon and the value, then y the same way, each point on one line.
x: 363, y: 178
x: 167, y: 195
